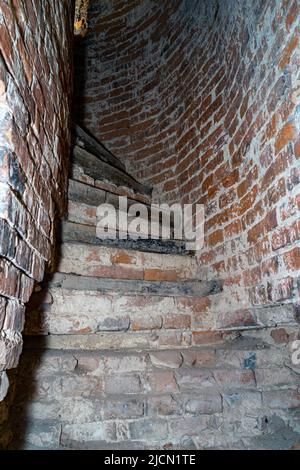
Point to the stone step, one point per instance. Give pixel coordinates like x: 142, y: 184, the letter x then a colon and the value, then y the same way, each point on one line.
x: 98, y: 169
x: 134, y: 287
x: 82, y: 233
x: 115, y: 263
x: 147, y: 399
x: 83, y: 192
x: 71, y: 311
x: 86, y: 214
x: 92, y: 145
x: 85, y: 199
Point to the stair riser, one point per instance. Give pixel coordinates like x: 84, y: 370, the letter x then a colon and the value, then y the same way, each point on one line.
x: 77, y: 175
x: 95, y: 147
x: 100, y: 170
x: 88, y: 214
x: 83, y: 312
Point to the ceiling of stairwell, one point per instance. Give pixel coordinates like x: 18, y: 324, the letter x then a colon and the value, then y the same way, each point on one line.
x: 133, y: 72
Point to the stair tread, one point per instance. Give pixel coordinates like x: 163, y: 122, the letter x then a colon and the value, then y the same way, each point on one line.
x: 101, y: 170
x: 135, y: 287
x: 81, y: 233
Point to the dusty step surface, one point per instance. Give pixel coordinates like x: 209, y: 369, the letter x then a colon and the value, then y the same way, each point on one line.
x: 187, y: 399
x: 75, y: 232
x: 103, y: 261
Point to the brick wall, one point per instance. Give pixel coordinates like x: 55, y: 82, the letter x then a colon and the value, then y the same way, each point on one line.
x: 200, y: 98
x: 35, y: 86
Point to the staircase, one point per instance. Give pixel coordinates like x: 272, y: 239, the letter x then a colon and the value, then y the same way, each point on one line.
x: 131, y: 288
x: 120, y: 352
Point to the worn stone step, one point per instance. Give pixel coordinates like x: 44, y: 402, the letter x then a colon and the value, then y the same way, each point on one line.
x: 92, y: 145
x: 105, y: 171
x: 82, y: 233
x: 61, y: 310
x: 85, y: 199
x: 70, y: 311
x: 107, y: 262
x: 86, y: 214
x: 135, y: 287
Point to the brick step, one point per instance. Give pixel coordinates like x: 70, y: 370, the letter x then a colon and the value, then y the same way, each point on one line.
x: 72, y: 311
x: 103, y: 319
x: 102, y: 193
x: 87, y: 141
x: 150, y: 399
x: 86, y: 214
x: 115, y: 263
x: 134, y: 287
x: 133, y: 319
x: 98, y: 169
x: 74, y: 232
x: 188, y: 364
x: 85, y: 199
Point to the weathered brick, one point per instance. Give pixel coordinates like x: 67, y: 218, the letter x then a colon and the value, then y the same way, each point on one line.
x: 122, y: 409
x: 149, y: 429
x: 164, y: 405
x: 171, y: 359
x: 126, y: 384
x: 206, y: 403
